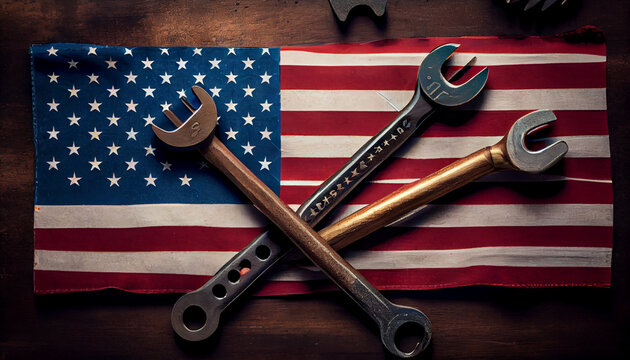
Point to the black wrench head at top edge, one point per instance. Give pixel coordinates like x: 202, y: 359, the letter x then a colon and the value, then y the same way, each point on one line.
x: 440, y: 90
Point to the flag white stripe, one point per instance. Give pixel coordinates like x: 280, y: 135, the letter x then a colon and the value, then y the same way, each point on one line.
x: 246, y: 216
x: 209, y: 262
x: 492, y: 100
x: 306, y: 58
x: 591, y: 146
x: 512, y: 176
x: 535, y: 215
x: 129, y: 216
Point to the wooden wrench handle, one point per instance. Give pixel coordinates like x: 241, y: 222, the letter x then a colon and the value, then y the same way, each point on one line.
x: 411, y: 196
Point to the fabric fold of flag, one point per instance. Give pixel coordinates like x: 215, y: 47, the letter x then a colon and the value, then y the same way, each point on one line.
x: 114, y: 208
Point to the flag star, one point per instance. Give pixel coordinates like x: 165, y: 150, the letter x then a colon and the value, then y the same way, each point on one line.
x: 53, y: 105
x: 131, y: 165
x: 150, y: 150
x: 113, y: 180
x: 249, y: 91
x: 147, y: 63
x: 73, y: 64
x: 248, y: 63
x: 95, y: 164
x: 113, y: 120
x: 95, y: 134
x: 265, y: 106
x: 73, y: 149
x: 215, y: 91
x: 265, y: 78
x: 203, y: 164
x: 181, y: 64
x: 264, y: 165
x: 148, y: 92
x: 74, y: 92
x: 113, y: 91
x: 131, y: 106
x: 231, y: 134
x: 148, y: 120
x: 131, y: 134
x: 113, y: 149
x: 166, y: 166
x: 248, y: 148
x: 131, y: 77
x: 265, y: 51
x: 93, y: 78
x: 249, y: 119
x: 53, y: 77
x: 199, y: 78
x: 94, y: 106
x: 214, y: 63
x: 53, y: 133
x: 231, y: 106
x: 74, y: 180
x: 196, y: 51
x: 128, y: 52
x: 165, y: 106
x: 181, y: 93
x: 164, y: 51
x: 92, y: 50
x: 111, y: 64
x: 231, y: 78
x: 265, y: 134
x: 53, y: 164
x: 74, y: 120
x: 52, y: 51
x: 150, y: 180
x: 185, y: 180
x: 166, y: 78
x: 231, y: 51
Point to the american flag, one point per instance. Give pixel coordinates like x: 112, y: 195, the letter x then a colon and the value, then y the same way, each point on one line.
x: 114, y: 208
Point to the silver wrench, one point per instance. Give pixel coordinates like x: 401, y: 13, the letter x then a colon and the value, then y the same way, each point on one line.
x: 266, y: 250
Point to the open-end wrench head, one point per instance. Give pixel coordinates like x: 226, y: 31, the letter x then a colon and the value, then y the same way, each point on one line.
x: 527, y: 160
x: 197, y: 128
x: 438, y: 89
x: 404, y: 316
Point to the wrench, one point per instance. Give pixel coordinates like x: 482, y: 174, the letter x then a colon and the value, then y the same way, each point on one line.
x: 266, y: 250
x: 509, y: 153
x: 197, y: 131
x: 342, y: 7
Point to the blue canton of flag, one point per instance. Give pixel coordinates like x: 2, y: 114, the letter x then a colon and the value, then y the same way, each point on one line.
x: 93, y: 107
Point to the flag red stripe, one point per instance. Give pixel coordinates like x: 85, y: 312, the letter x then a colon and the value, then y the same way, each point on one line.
x: 481, y: 44
x: 158, y: 238
x: 406, y: 238
x: 321, y: 168
x: 47, y: 282
x: 448, y: 123
x: 560, y: 192
x: 393, y: 238
x: 511, y: 77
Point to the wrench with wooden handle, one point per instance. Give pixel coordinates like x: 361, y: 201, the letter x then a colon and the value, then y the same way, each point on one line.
x: 197, y: 132
x: 510, y: 153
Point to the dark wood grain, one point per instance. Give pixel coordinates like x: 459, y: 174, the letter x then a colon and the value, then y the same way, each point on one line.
x: 469, y: 323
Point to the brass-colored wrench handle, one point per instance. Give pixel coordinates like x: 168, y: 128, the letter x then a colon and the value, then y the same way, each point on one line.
x: 411, y: 196
x: 265, y: 200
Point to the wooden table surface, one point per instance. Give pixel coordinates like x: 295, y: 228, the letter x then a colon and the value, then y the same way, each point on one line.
x: 469, y: 323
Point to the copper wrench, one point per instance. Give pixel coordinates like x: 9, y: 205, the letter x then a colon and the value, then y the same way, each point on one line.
x: 197, y: 132
x: 266, y: 250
